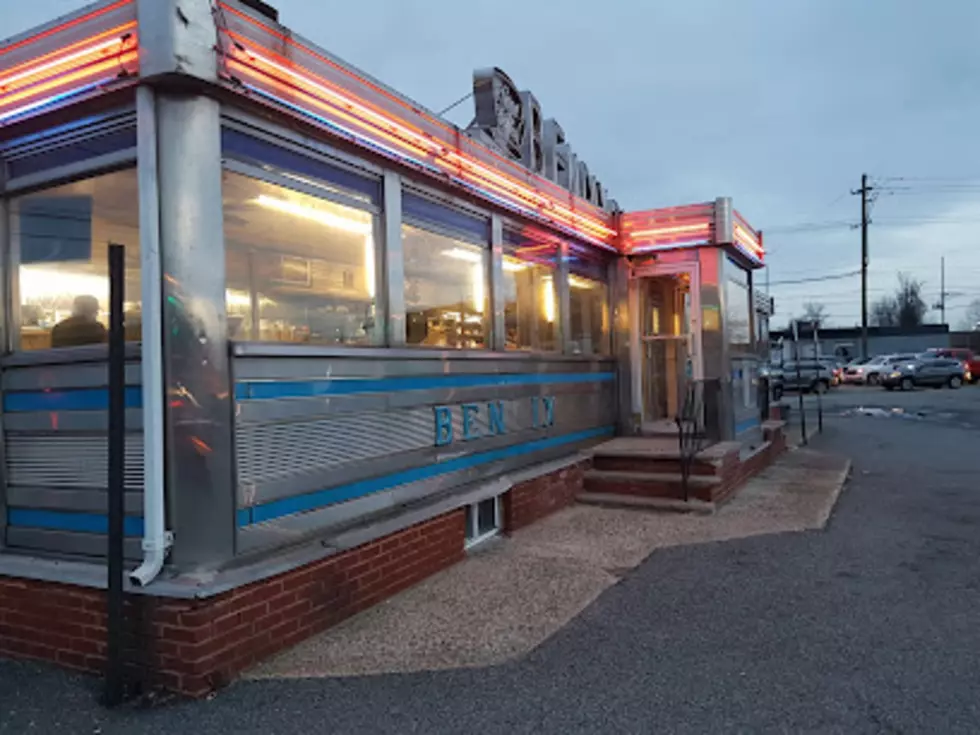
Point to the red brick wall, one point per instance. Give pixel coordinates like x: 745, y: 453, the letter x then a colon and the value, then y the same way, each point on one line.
x: 194, y: 646
x: 531, y: 501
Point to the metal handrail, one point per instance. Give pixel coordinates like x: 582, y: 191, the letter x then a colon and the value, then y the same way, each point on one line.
x: 690, y: 430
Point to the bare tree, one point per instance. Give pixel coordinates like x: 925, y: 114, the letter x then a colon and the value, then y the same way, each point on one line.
x: 884, y: 312
x: 814, y: 311
x: 906, y: 308
x: 912, y: 308
x: 972, y: 318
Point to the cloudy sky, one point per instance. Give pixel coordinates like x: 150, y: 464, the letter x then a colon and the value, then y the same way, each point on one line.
x: 781, y: 104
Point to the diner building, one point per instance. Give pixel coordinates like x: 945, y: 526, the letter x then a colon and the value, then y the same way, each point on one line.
x: 361, y: 340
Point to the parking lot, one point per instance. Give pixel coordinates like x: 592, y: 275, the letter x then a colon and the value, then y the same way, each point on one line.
x: 950, y: 407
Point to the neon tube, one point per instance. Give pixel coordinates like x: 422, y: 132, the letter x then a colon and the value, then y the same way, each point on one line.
x: 57, y: 61
x: 85, y: 72
x: 66, y: 26
x: 402, y: 134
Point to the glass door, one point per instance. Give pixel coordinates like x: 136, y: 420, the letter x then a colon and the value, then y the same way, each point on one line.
x: 665, y: 337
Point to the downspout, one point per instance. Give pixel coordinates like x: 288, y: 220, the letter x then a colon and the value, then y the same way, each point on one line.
x: 156, y: 539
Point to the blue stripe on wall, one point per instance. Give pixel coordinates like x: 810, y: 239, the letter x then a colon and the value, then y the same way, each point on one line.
x: 74, y: 399
x: 67, y: 521
x: 747, y: 424
x: 262, y: 389
x: 321, y: 498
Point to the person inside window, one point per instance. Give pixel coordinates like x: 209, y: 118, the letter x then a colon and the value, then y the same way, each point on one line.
x: 82, y: 327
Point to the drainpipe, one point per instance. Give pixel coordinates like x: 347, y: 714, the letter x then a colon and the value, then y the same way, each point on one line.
x: 156, y: 538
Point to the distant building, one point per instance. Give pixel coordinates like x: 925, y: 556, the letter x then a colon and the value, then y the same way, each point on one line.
x: 845, y: 343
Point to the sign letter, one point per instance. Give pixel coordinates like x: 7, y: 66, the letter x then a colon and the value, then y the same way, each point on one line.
x: 495, y: 417
x: 549, y: 411
x: 444, y: 425
x: 470, y: 431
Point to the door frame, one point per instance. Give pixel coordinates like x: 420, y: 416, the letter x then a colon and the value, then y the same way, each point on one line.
x: 654, y: 269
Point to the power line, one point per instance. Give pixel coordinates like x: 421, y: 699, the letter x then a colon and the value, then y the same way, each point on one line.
x: 817, y: 279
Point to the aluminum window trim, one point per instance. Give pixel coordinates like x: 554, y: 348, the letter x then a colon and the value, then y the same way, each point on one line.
x: 268, y: 176
x: 241, y: 121
x: 14, y: 257
x: 461, y: 206
x: 286, y: 349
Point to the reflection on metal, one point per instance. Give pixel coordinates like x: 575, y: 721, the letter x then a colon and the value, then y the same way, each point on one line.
x: 200, y: 465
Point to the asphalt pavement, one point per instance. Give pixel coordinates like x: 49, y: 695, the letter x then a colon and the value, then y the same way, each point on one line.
x: 868, y: 626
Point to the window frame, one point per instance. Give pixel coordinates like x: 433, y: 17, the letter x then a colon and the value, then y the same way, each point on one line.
x: 266, y: 176
x: 11, y: 261
x: 559, y: 280
x: 603, y: 263
x: 491, y: 287
x: 471, y: 535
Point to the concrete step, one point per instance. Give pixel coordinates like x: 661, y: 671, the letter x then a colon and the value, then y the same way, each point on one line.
x: 649, y: 484
x: 673, y: 505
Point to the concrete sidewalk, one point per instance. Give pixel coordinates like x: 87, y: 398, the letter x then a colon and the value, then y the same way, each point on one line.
x: 509, y: 597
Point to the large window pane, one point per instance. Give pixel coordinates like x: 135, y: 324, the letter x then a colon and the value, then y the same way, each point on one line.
x: 445, y: 290
x: 299, y: 268
x: 62, y: 236
x: 529, y: 295
x: 588, y: 301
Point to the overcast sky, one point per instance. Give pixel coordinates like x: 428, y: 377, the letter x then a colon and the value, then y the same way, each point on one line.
x: 781, y: 104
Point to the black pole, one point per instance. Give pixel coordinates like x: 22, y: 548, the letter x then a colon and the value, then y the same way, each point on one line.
x: 114, y: 682
x: 864, y: 265
x: 799, y: 382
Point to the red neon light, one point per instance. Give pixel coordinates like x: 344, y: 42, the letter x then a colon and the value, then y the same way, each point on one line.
x: 85, y: 72
x: 513, y: 186
x: 367, y: 117
x: 67, y: 25
x: 63, y: 59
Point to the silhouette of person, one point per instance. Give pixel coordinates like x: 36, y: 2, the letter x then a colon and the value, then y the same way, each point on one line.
x: 82, y: 327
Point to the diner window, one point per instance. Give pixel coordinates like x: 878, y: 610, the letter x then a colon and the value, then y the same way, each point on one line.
x: 446, y: 290
x: 300, y: 268
x: 61, y: 237
x: 588, y: 302
x: 529, y: 293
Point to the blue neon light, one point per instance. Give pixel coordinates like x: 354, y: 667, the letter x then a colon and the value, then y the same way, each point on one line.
x: 53, y: 100
x: 263, y: 390
x: 321, y: 498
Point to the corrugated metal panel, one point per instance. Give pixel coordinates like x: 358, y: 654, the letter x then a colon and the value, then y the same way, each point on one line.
x: 69, y: 461
x: 56, y: 460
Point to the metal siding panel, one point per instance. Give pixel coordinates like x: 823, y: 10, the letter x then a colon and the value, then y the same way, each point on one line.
x: 54, y: 377
x: 68, y: 543
x: 68, y: 421
x: 285, y: 409
x: 66, y: 461
x: 297, y: 528
x: 84, y: 501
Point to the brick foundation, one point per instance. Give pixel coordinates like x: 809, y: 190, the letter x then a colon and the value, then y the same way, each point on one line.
x: 195, y: 646
x: 533, y: 500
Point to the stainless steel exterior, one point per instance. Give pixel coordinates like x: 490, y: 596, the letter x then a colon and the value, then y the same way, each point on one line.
x: 55, y: 424
x: 377, y: 448
x: 200, y: 465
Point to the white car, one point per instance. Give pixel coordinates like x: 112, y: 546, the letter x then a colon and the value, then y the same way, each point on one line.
x: 871, y: 372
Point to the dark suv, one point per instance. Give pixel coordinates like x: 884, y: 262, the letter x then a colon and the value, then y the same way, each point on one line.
x: 927, y: 371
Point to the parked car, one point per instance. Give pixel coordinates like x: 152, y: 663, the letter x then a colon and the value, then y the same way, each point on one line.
x: 925, y: 371
x: 812, y: 376
x: 870, y: 373
x: 836, y: 368
x: 968, y: 357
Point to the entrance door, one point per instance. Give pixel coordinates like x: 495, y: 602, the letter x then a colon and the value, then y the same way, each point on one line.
x: 666, y: 345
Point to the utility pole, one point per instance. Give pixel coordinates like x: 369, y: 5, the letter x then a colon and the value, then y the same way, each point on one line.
x: 942, y: 289
x: 864, y: 191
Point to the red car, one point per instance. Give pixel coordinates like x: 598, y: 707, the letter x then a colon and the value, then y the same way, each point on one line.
x: 970, y: 360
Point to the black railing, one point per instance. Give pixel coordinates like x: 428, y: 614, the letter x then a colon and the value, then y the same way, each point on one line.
x: 691, y: 430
